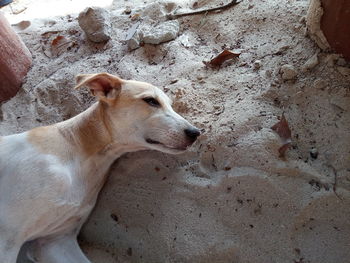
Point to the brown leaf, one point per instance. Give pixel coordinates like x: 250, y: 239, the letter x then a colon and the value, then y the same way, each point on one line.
x: 222, y: 57
x: 283, y: 130
x: 56, y: 40
x: 59, y: 45
x: 135, y: 17
x: 282, y: 150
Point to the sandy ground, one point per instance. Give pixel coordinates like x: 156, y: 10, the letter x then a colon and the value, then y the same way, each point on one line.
x: 230, y: 198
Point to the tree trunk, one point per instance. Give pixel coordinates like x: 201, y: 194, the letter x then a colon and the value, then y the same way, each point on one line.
x: 335, y: 24
x: 15, y: 60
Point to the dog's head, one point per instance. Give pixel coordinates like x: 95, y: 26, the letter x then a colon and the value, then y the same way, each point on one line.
x: 139, y: 114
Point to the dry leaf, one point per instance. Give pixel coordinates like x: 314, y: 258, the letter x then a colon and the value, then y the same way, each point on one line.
x: 56, y: 40
x: 59, y: 45
x: 282, y: 129
x: 282, y: 150
x: 222, y: 57
x: 135, y: 17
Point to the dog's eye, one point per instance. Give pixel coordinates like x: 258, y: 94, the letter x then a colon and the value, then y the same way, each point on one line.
x: 152, y: 102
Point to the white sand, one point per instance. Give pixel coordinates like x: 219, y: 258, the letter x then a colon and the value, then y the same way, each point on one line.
x: 231, y: 198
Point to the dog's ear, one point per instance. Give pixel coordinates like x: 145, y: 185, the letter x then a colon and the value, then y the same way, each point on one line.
x: 104, y: 86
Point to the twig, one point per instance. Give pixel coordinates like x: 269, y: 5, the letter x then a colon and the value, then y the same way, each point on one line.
x: 175, y: 16
x: 335, y: 181
x: 213, y: 162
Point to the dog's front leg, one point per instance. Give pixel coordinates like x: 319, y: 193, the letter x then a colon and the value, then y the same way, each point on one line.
x: 63, y: 249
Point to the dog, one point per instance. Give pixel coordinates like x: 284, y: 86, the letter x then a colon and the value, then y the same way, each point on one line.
x: 50, y: 176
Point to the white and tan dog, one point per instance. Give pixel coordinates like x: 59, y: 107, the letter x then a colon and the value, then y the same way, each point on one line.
x: 50, y: 176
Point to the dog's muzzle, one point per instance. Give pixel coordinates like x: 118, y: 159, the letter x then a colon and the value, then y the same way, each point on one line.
x: 190, y: 136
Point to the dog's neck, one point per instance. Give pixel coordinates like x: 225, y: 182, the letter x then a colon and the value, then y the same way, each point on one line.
x: 90, y: 133
x: 87, y: 131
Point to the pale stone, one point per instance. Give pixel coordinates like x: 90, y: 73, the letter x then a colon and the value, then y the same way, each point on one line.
x: 95, y: 23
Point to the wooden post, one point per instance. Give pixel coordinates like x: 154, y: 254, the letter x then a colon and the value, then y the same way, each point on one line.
x: 15, y: 60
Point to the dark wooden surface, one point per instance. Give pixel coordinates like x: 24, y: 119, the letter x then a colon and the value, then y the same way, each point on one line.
x: 335, y: 24
x: 15, y: 60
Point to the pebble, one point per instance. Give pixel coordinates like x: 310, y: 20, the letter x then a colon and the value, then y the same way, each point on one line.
x: 341, y: 62
x: 344, y: 71
x: 257, y: 64
x: 341, y: 102
x: 331, y: 59
x: 310, y: 63
x: 158, y: 10
x: 95, y: 23
x: 320, y: 84
x: 268, y: 73
x: 288, y: 72
x: 127, y: 10
x: 134, y: 42
x: 154, y: 35
x: 313, y: 153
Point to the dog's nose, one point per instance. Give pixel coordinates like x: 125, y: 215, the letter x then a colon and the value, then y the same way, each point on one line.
x: 192, y: 133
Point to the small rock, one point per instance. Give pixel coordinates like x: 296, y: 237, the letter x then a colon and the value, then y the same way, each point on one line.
x: 134, y: 42
x: 158, y: 10
x: 344, y: 71
x: 341, y: 62
x: 341, y: 102
x: 320, y: 84
x: 268, y: 73
x: 154, y: 11
x: 288, y: 72
x: 310, y: 63
x: 331, y: 59
x: 186, y: 41
x: 133, y: 37
x: 127, y: 10
x: 313, y: 153
x: 257, y: 64
x: 95, y: 23
x: 25, y: 24
x: 162, y: 33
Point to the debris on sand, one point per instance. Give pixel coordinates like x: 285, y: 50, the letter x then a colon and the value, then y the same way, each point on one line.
x: 282, y: 129
x: 344, y: 71
x: 59, y: 45
x: 288, y: 72
x: 132, y: 36
x: 163, y: 32
x: 204, y: 11
x: 95, y: 23
x: 222, y: 57
x: 257, y: 64
x: 310, y: 63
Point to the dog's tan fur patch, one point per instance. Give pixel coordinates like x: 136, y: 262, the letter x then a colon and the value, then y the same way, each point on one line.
x: 48, y: 140
x: 87, y: 135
